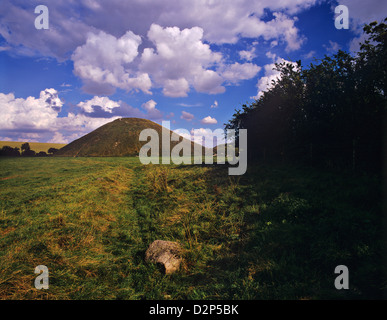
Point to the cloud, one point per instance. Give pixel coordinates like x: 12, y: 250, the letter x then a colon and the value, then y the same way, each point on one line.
x: 209, y: 82
x: 73, y: 126
x: 207, y: 137
x: 179, y: 61
x: 185, y: 60
x: 239, y: 18
x: 105, y: 60
x: 102, y: 38
x: 236, y: 72
x: 149, y: 105
x: 355, y: 43
x: 170, y: 115
x: 247, y: 55
x: 66, y: 30
x: 31, y: 112
x: 183, y: 133
x: 333, y: 47
x: 360, y: 13
x: 59, y: 138
x: 152, y: 44
x: 271, y: 55
x: 222, y: 21
x: 209, y: 120
x: 176, y: 88
x: 215, y: 104
x: 282, y: 28
x: 265, y: 82
x: 4, y: 48
x: 37, y: 119
x: 104, y: 103
x: 152, y: 112
x: 310, y: 54
x: 187, y: 116
x: 190, y: 105
x: 103, y: 107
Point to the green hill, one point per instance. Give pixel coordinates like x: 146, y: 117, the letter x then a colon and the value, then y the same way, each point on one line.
x: 117, y: 138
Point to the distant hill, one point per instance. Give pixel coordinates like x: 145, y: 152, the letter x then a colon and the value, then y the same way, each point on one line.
x: 36, y: 146
x: 117, y: 138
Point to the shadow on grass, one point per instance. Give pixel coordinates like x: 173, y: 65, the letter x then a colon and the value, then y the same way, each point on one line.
x: 298, y: 225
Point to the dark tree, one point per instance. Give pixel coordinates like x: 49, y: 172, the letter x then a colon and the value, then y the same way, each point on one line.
x: 330, y: 113
x: 41, y: 154
x: 52, y: 151
x: 26, y: 150
x: 25, y: 147
x: 8, y: 151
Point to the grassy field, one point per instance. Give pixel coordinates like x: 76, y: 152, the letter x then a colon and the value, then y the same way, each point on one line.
x: 275, y: 233
x: 36, y: 146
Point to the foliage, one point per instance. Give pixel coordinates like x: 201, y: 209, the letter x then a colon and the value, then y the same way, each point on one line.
x: 41, y: 154
x: 52, y: 150
x: 330, y: 113
x: 26, y: 150
x: 9, y: 151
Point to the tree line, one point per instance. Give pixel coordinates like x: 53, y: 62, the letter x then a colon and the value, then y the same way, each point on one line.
x: 25, y: 151
x: 331, y: 113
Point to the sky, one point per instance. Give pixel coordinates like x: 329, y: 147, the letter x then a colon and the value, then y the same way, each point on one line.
x: 189, y: 62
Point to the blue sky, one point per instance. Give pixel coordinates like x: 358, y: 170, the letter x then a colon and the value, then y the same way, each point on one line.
x: 188, y: 62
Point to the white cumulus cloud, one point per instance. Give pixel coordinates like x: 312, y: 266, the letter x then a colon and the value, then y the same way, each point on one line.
x: 30, y: 113
x: 152, y: 112
x: 222, y: 21
x: 104, y: 103
x: 207, y: 137
x: 105, y: 59
x: 179, y: 60
x: 236, y: 72
x: 247, y: 54
x: 209, y: 120
x: 37, y: 119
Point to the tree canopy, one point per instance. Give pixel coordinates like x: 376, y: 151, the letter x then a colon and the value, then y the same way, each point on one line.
x: 328, y: 113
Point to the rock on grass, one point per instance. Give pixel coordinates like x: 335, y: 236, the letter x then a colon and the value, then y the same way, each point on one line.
x: 167, y: 253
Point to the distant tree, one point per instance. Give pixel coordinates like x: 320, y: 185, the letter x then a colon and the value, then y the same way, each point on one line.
x: 26, y: 150
x: 29, y: 153
x: 52, y: 150
x: 25, y: 147
x: 41, y: 154
x: 8, y: 151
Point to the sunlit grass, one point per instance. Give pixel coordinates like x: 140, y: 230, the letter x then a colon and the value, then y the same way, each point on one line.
x: 275, y: 233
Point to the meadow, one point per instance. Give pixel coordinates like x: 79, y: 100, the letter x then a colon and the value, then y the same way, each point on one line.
x: 278, y: 232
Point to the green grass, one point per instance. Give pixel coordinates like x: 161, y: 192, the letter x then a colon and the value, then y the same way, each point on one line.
x: 275, y: 233
x: 36, y: 146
